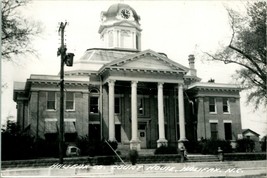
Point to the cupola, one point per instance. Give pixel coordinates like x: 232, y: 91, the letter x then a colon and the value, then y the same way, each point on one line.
x: 120, y: 28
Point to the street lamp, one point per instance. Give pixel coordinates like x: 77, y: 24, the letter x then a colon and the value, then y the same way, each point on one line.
x: 68, y: 60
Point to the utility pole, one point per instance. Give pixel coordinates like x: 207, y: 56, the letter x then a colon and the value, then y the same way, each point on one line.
x: 68, y: 59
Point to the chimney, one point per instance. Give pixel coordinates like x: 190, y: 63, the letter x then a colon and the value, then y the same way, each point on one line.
x: 192, y: 70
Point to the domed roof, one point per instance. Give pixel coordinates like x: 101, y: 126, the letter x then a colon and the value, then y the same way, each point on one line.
x: 114, y: 9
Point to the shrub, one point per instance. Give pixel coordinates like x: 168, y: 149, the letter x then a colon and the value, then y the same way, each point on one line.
x: 16, y: 145
x: 263, y: 144
x: 245, y: 145
x: 193, y: 146
x: 211, y: 146
x: 133, y: 155
x: 95, y: 148
x: 166, y: 150
x: 45, y: 148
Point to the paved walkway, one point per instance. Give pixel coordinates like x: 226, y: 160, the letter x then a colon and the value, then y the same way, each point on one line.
x: 203, y: 169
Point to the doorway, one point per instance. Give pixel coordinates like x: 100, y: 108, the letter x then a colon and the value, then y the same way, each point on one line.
x: 142, y: 134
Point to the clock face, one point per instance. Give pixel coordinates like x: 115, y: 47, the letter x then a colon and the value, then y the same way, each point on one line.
x: 125, y: 13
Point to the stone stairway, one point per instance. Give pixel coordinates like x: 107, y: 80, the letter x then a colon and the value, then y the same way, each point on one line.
x: 202, y: 158
x: 123, y: 150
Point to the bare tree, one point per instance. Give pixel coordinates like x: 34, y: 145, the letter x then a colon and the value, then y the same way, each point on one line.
x: 247, y: 48
x: 17, y: 32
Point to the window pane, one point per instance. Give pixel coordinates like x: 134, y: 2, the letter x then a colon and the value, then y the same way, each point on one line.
x: 69, y: 105
x: 214, y: 131
x: 51, y: 105
x: 212, y: 105
x: 70, y: 96
x: 51, y: 96
x: 213, y: 126
x: 69, y: 101
x: 225, y: 105
x: 51, y: 100
x: 212, y: 108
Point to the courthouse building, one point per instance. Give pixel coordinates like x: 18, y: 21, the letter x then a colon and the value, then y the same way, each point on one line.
x: 139, y: 98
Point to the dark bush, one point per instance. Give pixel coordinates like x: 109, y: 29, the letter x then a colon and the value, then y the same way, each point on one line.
x: 245, y: 145
x: 95, y: 148
x: 15, y: 144
x: 166, y: 150
x: 46, y: 148
x: 211, y: 146
x: 263, y: 144
x: 133, y: 155
x: 193, y: 146
x: 15, y: 147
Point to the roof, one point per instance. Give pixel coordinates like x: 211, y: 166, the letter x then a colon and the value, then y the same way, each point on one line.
x: 244, y: 131
x: 161, y: 59
x: 94, y: 58
x: 209, y: 85
x: 19, y: 85
x: 104, y: 54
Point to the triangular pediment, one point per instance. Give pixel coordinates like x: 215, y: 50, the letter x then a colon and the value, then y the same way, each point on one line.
x: 147, y: 60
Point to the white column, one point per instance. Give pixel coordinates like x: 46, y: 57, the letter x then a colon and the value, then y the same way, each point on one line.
x: 135, y: 142
x: 181, y: 115
x: 161, y: 140
x: 111, y: 123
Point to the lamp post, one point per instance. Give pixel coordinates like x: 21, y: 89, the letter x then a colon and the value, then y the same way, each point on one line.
x: 68, y: 60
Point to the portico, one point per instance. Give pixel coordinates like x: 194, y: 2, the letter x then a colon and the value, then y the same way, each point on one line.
x: 135, y: 142
x: 133, y: 78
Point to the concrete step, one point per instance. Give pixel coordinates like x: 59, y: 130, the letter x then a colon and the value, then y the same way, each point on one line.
x: 146, y: 152
x: 202, y: 158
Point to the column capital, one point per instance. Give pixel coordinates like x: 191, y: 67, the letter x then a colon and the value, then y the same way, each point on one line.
x: 111, y: 82
x: 180, y: 84
x: 160, y: 84
x: 134, y: 82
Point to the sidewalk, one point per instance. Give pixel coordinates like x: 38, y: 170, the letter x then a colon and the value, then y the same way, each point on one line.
x: 197, y: 169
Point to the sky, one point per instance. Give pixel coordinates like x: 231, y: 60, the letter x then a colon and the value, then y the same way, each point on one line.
x: 177, y: 28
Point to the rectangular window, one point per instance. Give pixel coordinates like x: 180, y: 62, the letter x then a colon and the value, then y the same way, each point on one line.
x: 118, y: 132
x: 69, y: 101
x: 94, y: 104
x: 226, y: 106
x: 51, y: 100
x: 214, y: 131
x: 212, y: 105
x: 228, y: 131
x: 117, y: 105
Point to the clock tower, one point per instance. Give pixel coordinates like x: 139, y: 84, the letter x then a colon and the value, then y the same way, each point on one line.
x: 120, y: 28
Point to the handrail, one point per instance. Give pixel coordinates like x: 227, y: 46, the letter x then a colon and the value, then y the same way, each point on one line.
x: 115, y: 152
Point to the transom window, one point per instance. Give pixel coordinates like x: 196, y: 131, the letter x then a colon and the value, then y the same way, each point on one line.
x: 51, y: 100
x: 69, y: 101
x: 226, y: 105
x: 212, y: 105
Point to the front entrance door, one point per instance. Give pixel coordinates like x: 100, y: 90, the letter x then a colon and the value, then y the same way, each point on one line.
x: 142, y: 134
